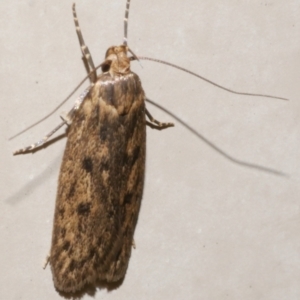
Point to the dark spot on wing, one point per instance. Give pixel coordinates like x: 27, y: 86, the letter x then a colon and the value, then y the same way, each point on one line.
x: 127, y: 198
x: 87, y: 164
x: 61, y: 212
x: 66, y: 246
x: 93, y: 253
x: 72, y: 265
x: 135, y: 155
x: 83, y: 208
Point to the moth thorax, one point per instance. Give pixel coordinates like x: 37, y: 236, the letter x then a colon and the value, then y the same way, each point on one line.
x: 118, y: 59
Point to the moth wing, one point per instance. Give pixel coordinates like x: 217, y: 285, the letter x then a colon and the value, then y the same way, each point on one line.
x: 100, y: 186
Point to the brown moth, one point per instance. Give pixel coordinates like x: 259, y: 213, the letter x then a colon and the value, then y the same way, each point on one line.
x: 102, y: 175
x: 101, y: 178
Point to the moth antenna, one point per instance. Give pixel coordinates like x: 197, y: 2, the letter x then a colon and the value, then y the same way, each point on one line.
x: 134, y: 57
x: 209, y: 81
x: 212, y: 145
x: 126, y: 22
x: 86, y: 55
x: 133, y: 54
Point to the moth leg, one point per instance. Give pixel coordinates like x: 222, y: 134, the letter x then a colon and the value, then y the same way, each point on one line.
x: 67, y: 119
x: 46, y: 262
x: 86, y: 55
x: 133, y: 244
x: 157, y: 124
x: 40, y: 142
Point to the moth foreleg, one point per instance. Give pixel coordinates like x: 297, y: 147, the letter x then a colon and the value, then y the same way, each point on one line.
x: 67, y: 119
x: 40, y: 142
x: 86, y: 55
x: 156, y: 124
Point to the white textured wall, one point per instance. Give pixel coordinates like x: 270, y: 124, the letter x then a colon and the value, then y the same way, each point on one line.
x: 208, y: 228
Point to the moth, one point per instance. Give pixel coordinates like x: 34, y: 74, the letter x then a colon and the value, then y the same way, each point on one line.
x: 101, y: 178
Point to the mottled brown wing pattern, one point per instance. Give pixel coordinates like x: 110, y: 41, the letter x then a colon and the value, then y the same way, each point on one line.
x: 100, y: 185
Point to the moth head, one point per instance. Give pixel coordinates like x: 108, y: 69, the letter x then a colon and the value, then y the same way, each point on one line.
x: 118, y: 63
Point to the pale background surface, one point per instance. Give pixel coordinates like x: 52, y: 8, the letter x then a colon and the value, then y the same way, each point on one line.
x: 208, y: 228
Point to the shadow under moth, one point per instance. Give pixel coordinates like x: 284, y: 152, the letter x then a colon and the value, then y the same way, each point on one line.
x: 101, y: 178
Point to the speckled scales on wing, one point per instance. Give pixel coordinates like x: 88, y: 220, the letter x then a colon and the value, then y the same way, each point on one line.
x: 100, y: 185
